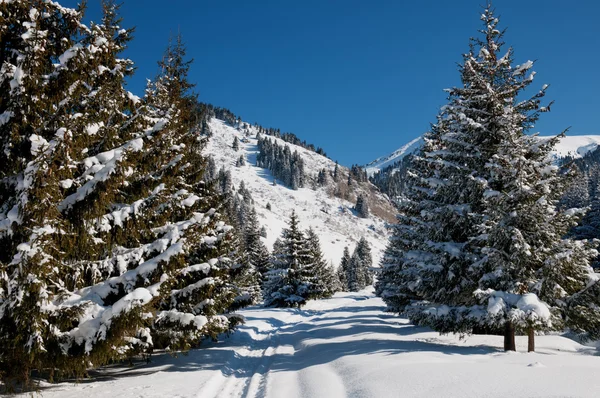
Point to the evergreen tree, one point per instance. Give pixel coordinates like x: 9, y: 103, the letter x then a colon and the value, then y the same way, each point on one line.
x: 479, y: 243
x: 240, y: 161
x: 342, y: 270
x: 114, y: 209
x: 255, y: 258
x: 288, y: 284
x: 336, y: 172
x: 362, y: 206
x: 236, y: 144
x: 358, y: 273
x: 323, y: 281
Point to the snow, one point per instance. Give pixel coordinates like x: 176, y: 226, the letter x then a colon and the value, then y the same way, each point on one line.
x: 575, y: 146
x: 396, y: 156
x: 520, y: 69
x: 332, y: 218
x: 348, y: 346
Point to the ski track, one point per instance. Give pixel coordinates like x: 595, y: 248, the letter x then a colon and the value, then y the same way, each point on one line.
x: 347, y: 346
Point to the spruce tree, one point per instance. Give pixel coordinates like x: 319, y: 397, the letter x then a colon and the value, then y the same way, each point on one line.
x: 342, y: 270
x: 479, y: 243
x: 362, y: 206
x: 358, y: 273
x: 288, y: 283
x: 323, y: 281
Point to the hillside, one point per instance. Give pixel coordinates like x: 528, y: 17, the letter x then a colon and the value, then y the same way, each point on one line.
x: 388, y: 172
x: 396, y: 156
x: 575, y: 146
x: 332, y: 218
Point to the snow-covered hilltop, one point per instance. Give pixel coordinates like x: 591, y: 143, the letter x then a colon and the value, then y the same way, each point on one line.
x: 575, y: 146
x: 332, y: 218
x: 385, y: 161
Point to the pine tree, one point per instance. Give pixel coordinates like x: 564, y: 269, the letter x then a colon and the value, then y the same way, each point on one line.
x: 288, y: 284
x: 236, y: 144
x: 241, y: 161
x: 362, y: 206
x: 358, y: 273
x: 35, y: 107
x: 336, y: 172
x: 323, y: 281
x: 479, y: 242
x: 342, y: 270
x: 255, y: 258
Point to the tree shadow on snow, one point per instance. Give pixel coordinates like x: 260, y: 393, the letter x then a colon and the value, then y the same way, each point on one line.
x: 321, y: 339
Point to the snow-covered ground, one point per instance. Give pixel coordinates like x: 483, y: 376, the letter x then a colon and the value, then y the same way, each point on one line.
x: 348, y: 347
x: 332, y: 218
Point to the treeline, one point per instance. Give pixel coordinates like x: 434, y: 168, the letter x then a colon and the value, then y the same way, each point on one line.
x: 234, y: 120
x: 287, y: 167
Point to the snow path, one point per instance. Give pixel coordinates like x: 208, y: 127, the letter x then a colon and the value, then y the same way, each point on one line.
x: 348, y: 347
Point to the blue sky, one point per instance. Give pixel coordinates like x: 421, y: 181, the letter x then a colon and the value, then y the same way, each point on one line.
x: 362, y: 78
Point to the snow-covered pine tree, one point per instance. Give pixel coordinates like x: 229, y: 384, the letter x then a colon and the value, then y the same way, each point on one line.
x: 425, y: 255
x: 342, y: 270
x: 236, y: 144
x: 38, y: 41
x: 496, y: 257
x: 254, y: 261
x: 323, y: 281
x: 358, y: 273
x: 288, y: 284
x: 578, y: 193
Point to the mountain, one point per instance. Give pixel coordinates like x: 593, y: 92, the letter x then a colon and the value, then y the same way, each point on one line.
x: 388, y: 172
x: 393, y: 158
x: 333, y: 218
x: 575, y: 146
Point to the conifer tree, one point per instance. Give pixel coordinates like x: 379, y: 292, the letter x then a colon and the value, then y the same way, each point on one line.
x: 288, y: 284
x: 322, y: 279
x: 342, y: 270
x: 479, y: 243
x: 358, y: 274
x: 362, y: 206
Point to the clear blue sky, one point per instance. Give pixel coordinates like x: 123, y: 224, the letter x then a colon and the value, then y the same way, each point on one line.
x: 361, y: 78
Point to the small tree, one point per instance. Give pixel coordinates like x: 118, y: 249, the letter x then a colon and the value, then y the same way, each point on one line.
x: 362, y: 206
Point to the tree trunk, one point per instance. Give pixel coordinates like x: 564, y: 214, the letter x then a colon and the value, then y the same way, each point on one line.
x: 530, y: 340
x: 509, y: 337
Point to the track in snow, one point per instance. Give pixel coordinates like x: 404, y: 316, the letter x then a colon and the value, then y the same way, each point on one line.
x: 348, y: 346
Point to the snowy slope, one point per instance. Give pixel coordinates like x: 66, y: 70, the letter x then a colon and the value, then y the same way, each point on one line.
x: 576, y: 146
x: 331, y: 218
x: 348, y: 347
x: 572, y: 145
x: 397, y: 155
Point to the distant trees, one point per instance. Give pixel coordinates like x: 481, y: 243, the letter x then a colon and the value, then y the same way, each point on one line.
x: 298, y: 272
x: 354, y: 272
x: 286, y: 166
